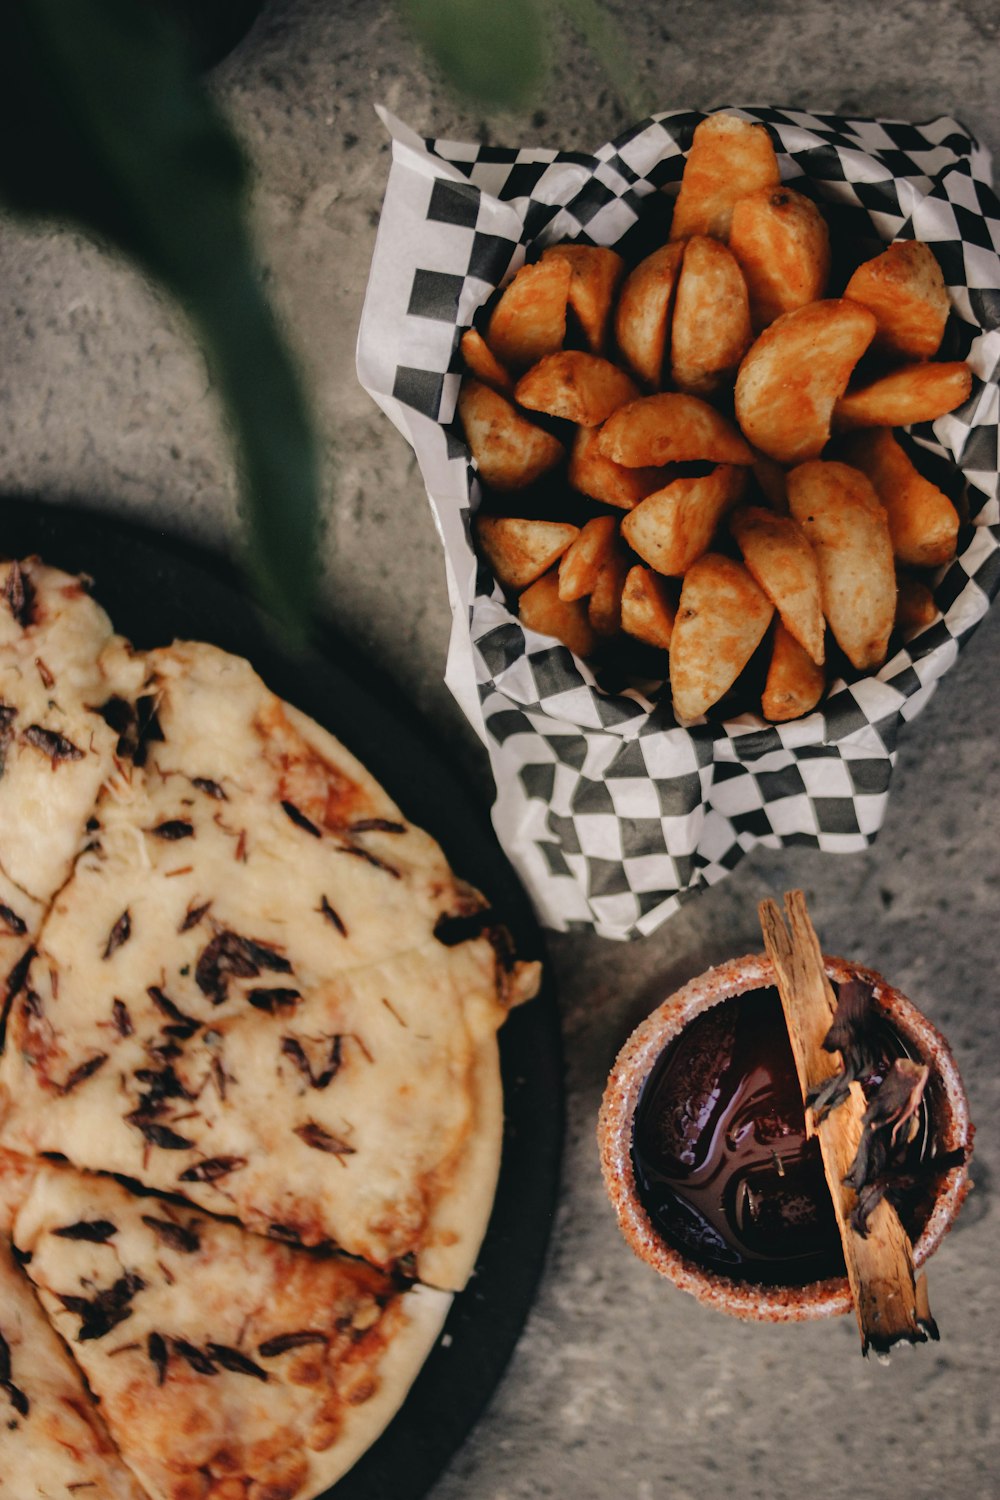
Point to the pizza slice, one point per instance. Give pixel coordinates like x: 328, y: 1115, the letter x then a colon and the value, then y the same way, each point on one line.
x: 53, y: 1443
x: 211, y: 1011
x: 57, y: 663
x: 226, y: 1364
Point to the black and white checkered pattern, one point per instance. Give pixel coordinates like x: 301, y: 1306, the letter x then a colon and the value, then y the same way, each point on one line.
x: 613, y: 813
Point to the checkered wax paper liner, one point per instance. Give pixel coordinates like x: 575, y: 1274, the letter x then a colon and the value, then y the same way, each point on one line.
x: 611, y: 812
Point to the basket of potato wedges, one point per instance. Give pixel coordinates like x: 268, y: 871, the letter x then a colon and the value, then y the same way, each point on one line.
x: 694, y: 466
x: 708, y: 422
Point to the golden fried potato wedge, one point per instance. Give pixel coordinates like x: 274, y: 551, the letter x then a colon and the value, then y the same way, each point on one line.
x: 782, y: 243
x: 905, y: 290
x: 923, y: 523
x: 794, y: 682
x: 721, y: 620
x: 642, y: 316
x: 916, y: 393
x: 647, y: 610
x: 540, y: 608
x: 605, y: 608
x: 711, y: 329
x: 519, y: 551
x: 674, y: 526
x: 511, y: 451
x: 840, y: 514
x: 729, y: 158
x: 582, y: 388
x: 594, y: 475
x: 582, y: 561
x: 793, y: 374
x: 915, y: 607
x: 596, y: 273
x: 481, y: 362
x: 671, y: 428
x: 781, y: 560
x: 529, y: 321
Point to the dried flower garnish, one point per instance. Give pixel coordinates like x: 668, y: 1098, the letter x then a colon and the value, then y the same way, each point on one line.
x: 331, y: 916
x: 13, y: 923
x: 18, y: 974
x: 156, y: 1346
x: 45, y: 673
x: 321, y: 1140
x: 210, y: 788
x: 83, y: 1072
x: 18, y: 1399
x: 370, y: 858
x: 121, y: 1018
x: 195, y: 1357
x: 240, y: 1364
x: 230, y: 956
x: 300, y: 820
x: 193, y: 916
x: 296, y: 1053
x: 376, y: 825
x: 452, y: 928
x: 56, y: 746
x: 19, y: 595
x: 212, y: 1168
x: 94, y: 1231
x: 175, y: 1236
x: 173, y: 829
x: 160, y: 1135
x: 182, y: 1026
x: 99, y: 1314
x: 894, y: 1104
x: 119, y: 934
x: 271, y: 1348
x: 273, y: 1000
x: 850, y: 1034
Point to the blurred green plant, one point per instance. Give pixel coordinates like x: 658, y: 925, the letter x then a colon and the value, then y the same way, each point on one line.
x: 103, y: 122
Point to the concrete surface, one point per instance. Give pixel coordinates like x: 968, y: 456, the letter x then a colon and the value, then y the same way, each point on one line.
x: 620, y: 1385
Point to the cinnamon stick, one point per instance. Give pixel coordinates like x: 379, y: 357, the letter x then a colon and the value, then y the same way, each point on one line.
x: 880, y: 1266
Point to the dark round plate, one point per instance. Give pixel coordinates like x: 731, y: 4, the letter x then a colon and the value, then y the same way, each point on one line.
x: 155, y: 588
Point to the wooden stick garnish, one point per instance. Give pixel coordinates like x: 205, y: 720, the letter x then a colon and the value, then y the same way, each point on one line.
x: 879, y: 1266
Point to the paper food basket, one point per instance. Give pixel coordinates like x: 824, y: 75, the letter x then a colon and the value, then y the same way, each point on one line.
x: 612, y: 812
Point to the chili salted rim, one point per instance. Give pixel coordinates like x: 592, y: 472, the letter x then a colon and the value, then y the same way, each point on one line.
x: 953, y: 1130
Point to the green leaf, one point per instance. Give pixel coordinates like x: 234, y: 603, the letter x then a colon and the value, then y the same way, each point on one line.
x: 103, y: 121
x: 493, y: 50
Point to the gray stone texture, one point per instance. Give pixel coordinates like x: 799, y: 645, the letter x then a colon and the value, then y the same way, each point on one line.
x: 620, y: 1385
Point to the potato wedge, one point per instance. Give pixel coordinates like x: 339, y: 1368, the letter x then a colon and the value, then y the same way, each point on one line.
x: 721, y: 620
x: 596, y: 273
x: 605, y: 608
x: 790, y: 380
x: 711, y: 328
x: 529, y: 321
x: 670, y: 428
x: 905, y: 290
x: 915, y: 607
x: 594, y: 475
x: 581, y: 388
x: 728, y: 158
x: 642, y: 316
x: 674, y: 526
x: 481, y: 362
x: 647, y: 610
x: 923, y: 523
x: 840, y: 514
x: 794, y: 682
x: 782, y: 244
x: 916, y: 393
x: 540, y: 608
x: 519, y: 551
x: 781, y: 560
x: 511, y: 451
x: 582, y: 561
